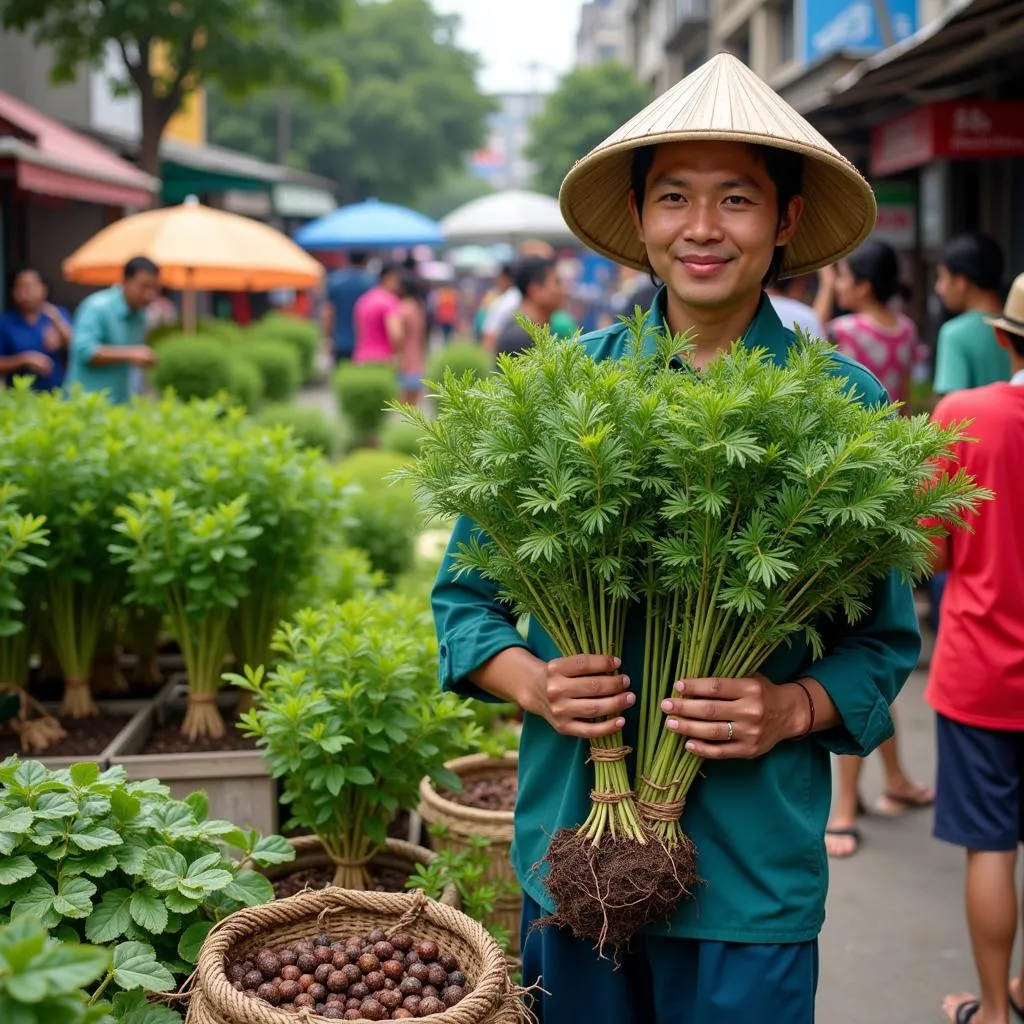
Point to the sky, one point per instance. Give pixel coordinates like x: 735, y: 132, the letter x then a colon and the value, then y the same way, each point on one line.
x: 510, y: 34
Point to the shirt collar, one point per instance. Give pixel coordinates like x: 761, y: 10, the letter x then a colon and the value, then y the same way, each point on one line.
x: 765, y: 330
x: 121, y: 304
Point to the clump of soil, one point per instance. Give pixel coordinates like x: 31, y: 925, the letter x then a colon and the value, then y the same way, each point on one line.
x: 607, y: 893
x: 86, y: 737
x: 362, y: 977
x: 384, y: 880
x: 496, y: 794
x: 168, y: 739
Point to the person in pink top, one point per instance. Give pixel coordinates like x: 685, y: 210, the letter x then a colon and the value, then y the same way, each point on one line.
x: 413, y: 314
x: 377, y: 320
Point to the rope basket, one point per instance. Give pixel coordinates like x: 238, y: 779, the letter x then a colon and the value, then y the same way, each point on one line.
x: 398, y: 854
x: 493, y: 1000
x: 461, y: 823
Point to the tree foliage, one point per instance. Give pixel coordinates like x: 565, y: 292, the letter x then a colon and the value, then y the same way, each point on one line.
x: 411, y: 112
x: 588, y: 105
x: 169, y: 50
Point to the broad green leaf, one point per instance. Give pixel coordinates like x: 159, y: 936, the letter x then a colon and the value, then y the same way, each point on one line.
x: 200, y: 804
x: 250, y: 889
x: 59, y: 970
x: 96, y: 864
x: 20, y: 942
x: 149, y: 911
x: 111, y: 917
x: 95, y: 837
x: 178, y: 904
x: 360, y: 775
x: 37, y: 902
x: 192, y: 941
x: 85, y: 773
x: 136, y: 966
x: 16, y: 821
x: 74, y: 897
x: 131, y: 857
x: 53, y: 806
x: 205, y: 875
x: 164, y: 868
x: 14, y: 869
x: 124, y: 806
x: 134, y: 1008
x: 241, y: 839
x: 271, y: 850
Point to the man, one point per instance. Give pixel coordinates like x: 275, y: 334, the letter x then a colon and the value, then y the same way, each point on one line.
x: 539, y: 283
x: 976, y: 681
x: 378, y: 321
x: 688, y: 190
x: 789, y: 300
x: 34, y: 333
x: 969, y: 283
x: 110, y: 333
x: 345, y: 287
x: 502, y: 308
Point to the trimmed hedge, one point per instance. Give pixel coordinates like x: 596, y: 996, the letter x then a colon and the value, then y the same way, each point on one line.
x: 402, y: 438
x: 312, y: 427
x: 195, y: 366
x: 363, y: 392
x: 459, y: 357
x: 303, y: 336
x: 279, y: 364
x: 247, y: 385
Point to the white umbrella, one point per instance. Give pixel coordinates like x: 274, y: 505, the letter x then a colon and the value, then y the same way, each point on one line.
x: 509, y: 217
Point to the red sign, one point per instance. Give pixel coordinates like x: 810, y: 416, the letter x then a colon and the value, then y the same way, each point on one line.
x: 957, y: 130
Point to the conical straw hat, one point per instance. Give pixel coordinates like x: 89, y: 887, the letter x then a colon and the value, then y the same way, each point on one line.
x: 723, y: 101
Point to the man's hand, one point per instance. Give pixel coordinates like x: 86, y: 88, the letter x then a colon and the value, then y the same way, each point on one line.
x: 572, y: 694
x: 761, y: 715
x: 142, y: 356
x: 38, y: 363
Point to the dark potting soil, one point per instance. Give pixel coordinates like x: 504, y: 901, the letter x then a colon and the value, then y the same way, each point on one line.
x: 498, y: 794
x: 167, y: 739
x: 86, y: 737
x: 384, y: 880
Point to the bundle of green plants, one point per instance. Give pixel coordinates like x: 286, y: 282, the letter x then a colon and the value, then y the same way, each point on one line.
x: 364, y: 391
x: 246, y: 385
x: 193, y: 366
x: 729, y: 510
x: 277, y: 362
x: 88, y: 855
x: 310, y: 426
x: 350, y: 721
x: 460, y: 357
x: 401, y: 437
x: 381, y: 518
x: 304, y: 336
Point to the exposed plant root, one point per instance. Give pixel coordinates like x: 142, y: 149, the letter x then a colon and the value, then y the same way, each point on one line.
x: 38, y: 733
x: 607, y: 893
x: 202, y: 718
x: 78, y: 699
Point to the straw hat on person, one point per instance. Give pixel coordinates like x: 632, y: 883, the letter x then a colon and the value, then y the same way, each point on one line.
x: 1012, y: 319
x: 722, y: 101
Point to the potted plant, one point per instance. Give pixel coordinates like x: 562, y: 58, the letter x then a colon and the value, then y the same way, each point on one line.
x: 350, y: 721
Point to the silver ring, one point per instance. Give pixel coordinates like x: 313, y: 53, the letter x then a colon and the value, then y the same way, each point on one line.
x: 728, y: 738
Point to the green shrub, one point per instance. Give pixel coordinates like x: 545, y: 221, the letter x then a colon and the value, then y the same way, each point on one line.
x: 312, y: 427
x: 363, y: 393
x: 195, y: 366
x: 459, y: 357
x: 341, y: 574
x: 157, y: 335
x: 227, y: 330
x: 246, y: 385
x: 279, y: 364
x: 303, y: 335
x: 383, y: 518
x: 401, y: 437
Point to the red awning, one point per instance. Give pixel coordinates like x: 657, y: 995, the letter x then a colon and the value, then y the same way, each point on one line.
x: 55, y: 161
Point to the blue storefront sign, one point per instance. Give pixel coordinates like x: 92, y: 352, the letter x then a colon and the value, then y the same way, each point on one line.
x: 862, y: 26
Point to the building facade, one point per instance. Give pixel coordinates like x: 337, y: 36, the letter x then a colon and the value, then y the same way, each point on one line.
x: 503, y: 162
x: 666, y: 39
x: 602, y: 33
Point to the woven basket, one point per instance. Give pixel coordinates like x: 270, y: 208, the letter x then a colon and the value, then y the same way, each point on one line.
x: 309, y: 853
x: 461, y: 823
x: 213, y: 1000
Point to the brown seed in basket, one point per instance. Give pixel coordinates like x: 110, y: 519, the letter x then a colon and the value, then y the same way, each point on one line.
x: 289, y: 990
x: 337, y: 981
x: 352, y: 973
x: 377, y: 935
x: 412, y: 957
x: 341, y: 959
x: 305, y: 999
x: 393, y: 969
x: 403, y: 941
x: 323, y: 972
x: 302, y: 946
x: 307, y: 963
x: 253, y: 980
x: 402, y: 1014
x: 321, y: 940
x: 323, y: 954
x: 457, y: 978
x: 375, y: 980
x: 269, y: 993
x: 431, y: 992
x: 448, y: 962
x: 235, y: 972
x: 412, y: 1003
x: 437, y: 976
x: 372, y: 1010
x: 360, y: 990
x: 390, y: 1000
x: 290, y: 973
x: 430, y: 1006
x: 333, y: 1012
x: 353, y: 1004
x: 428, y: 951
x: 368, y: 963
x: 421, y: 972
x: 383, y: 951
x: 318, y: 991
x: 286, y: 956
x: 411, y: 987
x: 452, y: 995
x: 305, y: 980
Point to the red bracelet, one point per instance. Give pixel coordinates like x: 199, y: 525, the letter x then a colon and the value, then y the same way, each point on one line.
x: 810, y: 704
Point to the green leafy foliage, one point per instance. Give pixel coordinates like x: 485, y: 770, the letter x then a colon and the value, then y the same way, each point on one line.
x: 351, y: 720
x: 278, y: 362
x: 588, y: 105
x: 246, y: 385
x: 19, y: 535
x: 193, y: 366
x: 310, y: 426
x: 460, y: 357
x: 381, y: 517
x: 401, y: 438
x: 363, y: 392
x: 302, y: 335
x: 88, y: 854
x: 341, y: 574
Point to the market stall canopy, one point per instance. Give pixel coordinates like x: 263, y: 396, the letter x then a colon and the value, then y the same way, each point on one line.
x: 369, y: 225
x: 196, y: 248
x: 474, y: 259
x: 52, y: 160
x: 508, y: 217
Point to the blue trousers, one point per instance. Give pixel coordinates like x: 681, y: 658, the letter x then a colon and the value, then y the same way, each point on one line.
x: 667, y: 980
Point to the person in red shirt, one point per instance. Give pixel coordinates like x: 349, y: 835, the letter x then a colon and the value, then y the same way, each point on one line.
x: 976, y: 682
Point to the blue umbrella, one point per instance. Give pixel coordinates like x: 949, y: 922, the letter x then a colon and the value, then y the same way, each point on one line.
x: 369, y: 225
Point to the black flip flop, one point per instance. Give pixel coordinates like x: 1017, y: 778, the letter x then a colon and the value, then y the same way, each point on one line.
x: 852, y: 833
x: 966, y: 1012
x: 1016, y: 1009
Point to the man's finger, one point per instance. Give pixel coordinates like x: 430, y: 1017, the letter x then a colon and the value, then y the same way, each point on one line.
x: 717, y: 751
x: 597, y: 708
x: 715, y: 732
x: 582, y: 687
x: 590, y: 730
x: 699, y: 709
x: 717, y: 688
x: 586, y: 665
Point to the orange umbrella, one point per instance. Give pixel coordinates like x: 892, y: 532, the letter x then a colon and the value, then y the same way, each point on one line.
x: 196, y: 248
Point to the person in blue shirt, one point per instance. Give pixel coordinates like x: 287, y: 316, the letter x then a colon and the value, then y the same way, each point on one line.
x: 34, y: 333
x: 345, y: 287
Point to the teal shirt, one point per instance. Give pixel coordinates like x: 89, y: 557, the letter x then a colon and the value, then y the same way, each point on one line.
x: 968, y: 355
x: 758, y: 825
x: 104, y: 319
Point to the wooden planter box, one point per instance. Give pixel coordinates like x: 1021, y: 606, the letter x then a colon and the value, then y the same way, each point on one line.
x: 103, y: 758
x: 237, y: 782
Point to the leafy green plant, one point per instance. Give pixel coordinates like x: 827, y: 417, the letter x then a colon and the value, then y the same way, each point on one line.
x: 312, y: 427
x: 499, y: 732
x: 341, y: 574
x: 363, y: 392
x: 302, y: 335
x: 245, y: 382
x: 279, y: 364
x: 351, y: 721
x: 226, y: 331
x: 459, y: 357
x: 382, y: 519
x: 19, y: 535
x: 402, y: 438
x: 87, y: 854
x: 193, y: 366
x: 190, y: 562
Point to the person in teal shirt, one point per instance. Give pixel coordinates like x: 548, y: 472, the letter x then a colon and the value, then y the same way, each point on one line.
x: 109, y: 339
x: 716, y: 207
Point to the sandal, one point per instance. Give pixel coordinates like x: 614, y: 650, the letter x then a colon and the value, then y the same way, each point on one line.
x: 848, y: 833
x: 966, y: 1012
x: 1015, y: 1008
x: 895, y: 805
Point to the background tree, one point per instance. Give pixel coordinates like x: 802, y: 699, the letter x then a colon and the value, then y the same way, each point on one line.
x: 411, y: 113
x: 588, y: 105
x: 454, y: 190
x: 169, y: 49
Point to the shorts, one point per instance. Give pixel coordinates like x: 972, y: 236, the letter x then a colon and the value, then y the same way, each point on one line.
x: 979, y: 797
x: 410, y: 381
